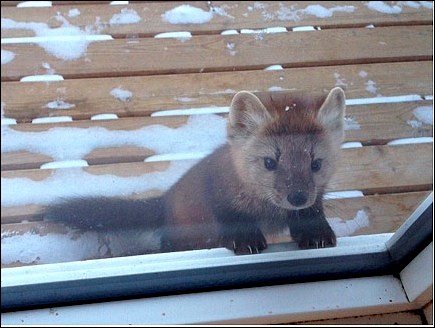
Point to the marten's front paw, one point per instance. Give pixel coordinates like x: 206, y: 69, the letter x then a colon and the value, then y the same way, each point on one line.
x: 321, y: 238
x: 243, y: 243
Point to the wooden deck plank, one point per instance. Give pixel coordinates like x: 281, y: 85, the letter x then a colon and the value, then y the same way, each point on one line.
x: 207, y: 53
x: 26, y: 101
x: 242, y: 15
x: 385, y: 123
x: 383, y: 168
x: 385, y: 213
x: 56, y: 3
x: 371, y: 169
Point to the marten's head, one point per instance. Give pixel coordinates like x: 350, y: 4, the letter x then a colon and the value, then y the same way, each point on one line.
x: 285, y: 145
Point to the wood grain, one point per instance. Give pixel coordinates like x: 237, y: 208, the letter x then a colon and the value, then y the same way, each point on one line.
x: 370, y: 168
x: 385, y: 123
x: 385, y: 214
x: 373, y: 169
x: 26, y: 101
x: 206, y: 53
x: 246, y: 14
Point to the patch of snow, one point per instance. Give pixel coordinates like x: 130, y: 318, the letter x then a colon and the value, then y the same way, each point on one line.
x: 406, y: 141
x: 192, y: 111
x: 371, y: 86
x: 363, y: 74
x: 45, y: 41
x: 59, y: 104
x: 64, y: 164
x: 370, y: 26
x: 184, y: 99
x: 382, y: 100
x: 293, y: 14
x: 118, y: 3
x: 229, y: 32
x: 29, y: 4
x: 339, y: 82
x: 424, y: 114
x: 75, y: 182
x: 42, y: 78
x: 201, y: 134
x: 322, y: 12
x: 414, y: 124
x: 50, y: 70
x: 52, y: 119
x: 428, y: 97
x: 67, y: 42
x: 31, y: 248
x: 186, y: 14
x: 353, y: 144
x: 384, y: 8
x: 273, y: 68
x: 221, y: 11
x: 231, y: 46
x: 175, y: 157
x: 74, y: 12
x: 343, y: 194
x: 8, y: 121
x: 303, y: 28
x: 121, y: 94
x: 277, y: 88
x: 268, y: 30
x: 176, y: 35
x: 7, y: 56
x: 104, y: 117
x: 226, y: 91
x: 351, y: 124
x: 127, y: 16
x: 260, y: 5
x: 344, y: 228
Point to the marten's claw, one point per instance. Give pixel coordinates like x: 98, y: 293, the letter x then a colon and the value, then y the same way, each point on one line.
x: 245, y: 242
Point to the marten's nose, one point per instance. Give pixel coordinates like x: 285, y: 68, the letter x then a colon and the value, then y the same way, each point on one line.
x: 297, y: 198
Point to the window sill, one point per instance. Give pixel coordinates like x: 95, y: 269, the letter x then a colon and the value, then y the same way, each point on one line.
x: 270, y: 304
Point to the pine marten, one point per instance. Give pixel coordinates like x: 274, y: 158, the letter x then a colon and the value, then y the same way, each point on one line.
x: 271, y: 174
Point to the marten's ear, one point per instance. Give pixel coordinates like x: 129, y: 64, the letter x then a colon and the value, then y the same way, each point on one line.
x: 247, y: 113
x: 331, y: 113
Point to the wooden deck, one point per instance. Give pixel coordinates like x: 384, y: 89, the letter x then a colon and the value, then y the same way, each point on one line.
x: 395, y: 58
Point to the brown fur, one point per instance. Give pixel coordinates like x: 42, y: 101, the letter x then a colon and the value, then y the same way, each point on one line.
x: 230, y: 198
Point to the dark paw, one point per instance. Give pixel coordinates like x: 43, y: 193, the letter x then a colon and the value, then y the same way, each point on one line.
x: 321, y: 239
x: 243, y: 243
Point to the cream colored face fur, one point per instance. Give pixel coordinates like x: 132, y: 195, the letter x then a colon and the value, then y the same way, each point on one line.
x: 293, y: 172
x: 254, y: 139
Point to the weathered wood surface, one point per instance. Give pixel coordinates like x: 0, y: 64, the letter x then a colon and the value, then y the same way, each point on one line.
x: 385, y: 213
x: 150, y: 94
x: 208, y: 53
x: 375, y: 169
x: 240, y: 15
x: 385, y: 123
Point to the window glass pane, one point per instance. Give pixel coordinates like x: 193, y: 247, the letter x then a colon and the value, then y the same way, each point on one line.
x: 142, y: 145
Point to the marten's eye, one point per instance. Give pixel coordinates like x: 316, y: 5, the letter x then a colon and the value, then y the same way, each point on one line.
x: 316, y: 165
x: 270, y: 163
